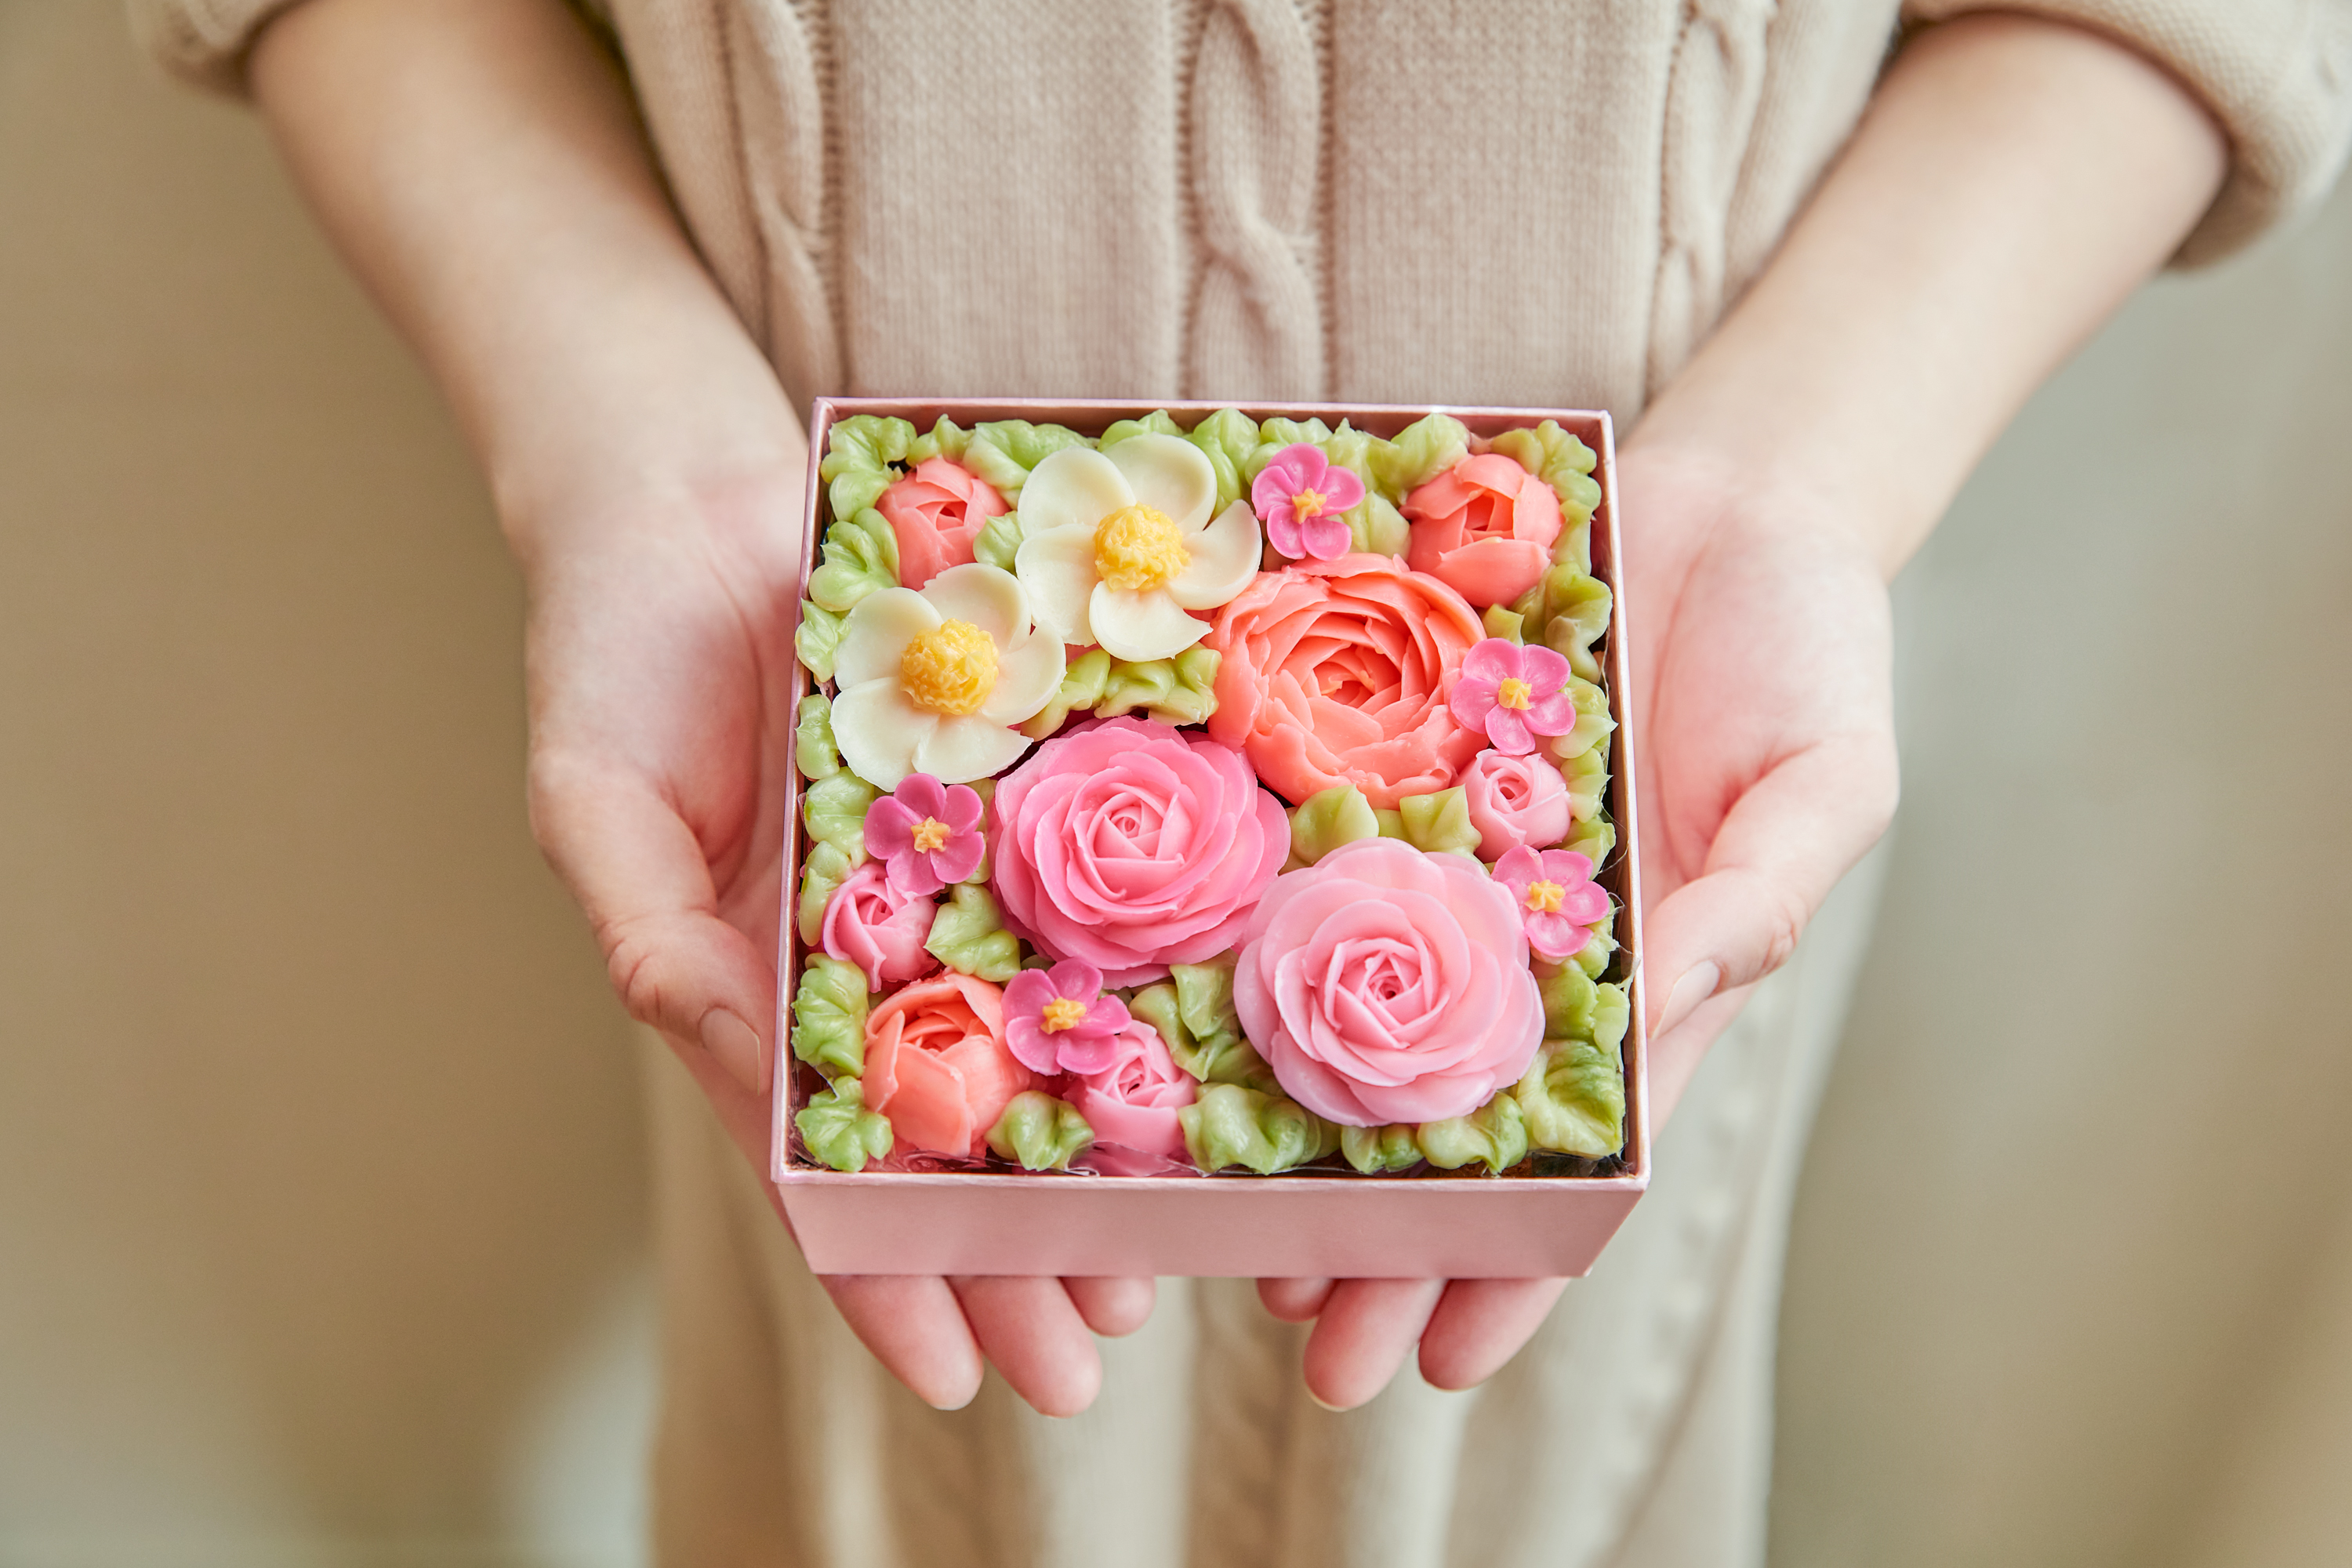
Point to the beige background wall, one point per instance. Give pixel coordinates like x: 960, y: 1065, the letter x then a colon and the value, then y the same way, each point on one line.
x: 321, y: 1227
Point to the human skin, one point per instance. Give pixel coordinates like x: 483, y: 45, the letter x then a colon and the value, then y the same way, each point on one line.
x: 480, y: 166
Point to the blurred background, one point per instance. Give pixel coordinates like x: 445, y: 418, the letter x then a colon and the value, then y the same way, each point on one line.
x: 321, y: 1223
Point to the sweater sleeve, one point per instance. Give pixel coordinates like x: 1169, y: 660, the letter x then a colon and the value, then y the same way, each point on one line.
x: 2276, y: 74
x: 202, y: 41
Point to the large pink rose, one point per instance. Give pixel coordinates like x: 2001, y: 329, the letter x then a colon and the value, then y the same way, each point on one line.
x: 1383, y: 984
x: 1133, y: 846
x: 1487, y: 526
x: 935, y: 513
x: 1133, y: 1102
x: 1336, y: 672
x: 872, y: 924
x: 1516, y: 801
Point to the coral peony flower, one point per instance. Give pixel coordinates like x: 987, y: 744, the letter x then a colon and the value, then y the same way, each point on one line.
x: 937, y: 1065
x: 879, y: 927
x: 1511, y: 800
x: 1132, y: 1099
x: 935, y: 513
x: 1057, y: 1020
x: 1513, y: 693
x: 1133, y: 846
x: 1557, y: 899
x: 1115, y: 545
x: 1299, y: 495
x: 1336, y: 672
x: 927, y: 834
x: 1383, y: 984
x: 933, y: 681
x: 1487, y: 526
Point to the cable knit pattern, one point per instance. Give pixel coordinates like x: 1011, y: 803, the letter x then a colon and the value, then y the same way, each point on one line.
x: 777, y: 57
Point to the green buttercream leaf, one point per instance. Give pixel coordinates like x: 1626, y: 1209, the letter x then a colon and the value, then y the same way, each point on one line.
x: 1593, y: 958
x: 1040, y: 1132
x: 1179, y: 691
x: 1612, y: 1015
x: 1568, y: 1000
x: 1595, y: 840
x: 947, y: 439
x: 1593, y: 722
x: 998, y: 543
x: 857, y: 462
x: 1439, y: 822
x: 1204, y: 996
x: 829, y: 1017
x: 835, y: 810
x: 838, y: 1128
x: 1328, y: 819
x: 1375, y: 1151
x: 1229, y: 1125
x: 1193, y: 1011
x: 1378, y: 528
x: 1391, y: 823
x: 1003, y: 451
x: 968, y: 935
x: 1228, y: 437
x: 813, y: 749
x: 819, y: 637
x: 1505, y: 624
x: 823, y: 870
x: 861, y: 557
x: 1566, y: 464
x: 1275, y: 434
x: 1573, y: 1099
x: 1158, y: 422
x: 1083, y: 679
x: 1421, y: 451
x: 1571, y: 610
x: 1494, y: 1135
x: 1587, y: 777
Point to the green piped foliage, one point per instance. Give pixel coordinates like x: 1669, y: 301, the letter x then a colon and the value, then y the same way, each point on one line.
x: 1438, y: 822
x: 998, y: 543
x: 1593, y: 722
x: 1228, y: 437
x: 814, y: 751
x: 835, y: 809
x: 968, y: 935
x: 1040, y: 1132
x: 1328, y: 819
x: 860, y: 453
x: 1587, y: 777
x: 1421, y: 450
x: 1179, y: 691
x: 861, y: 558
x: 818, y: 640
x: 1495, y: 1135
x: 1505, y: 624
x: 1595, y: 840
x: 1003, y: 451
x: 1568, y: 610
x: 1229, y: 1125
x: 1158, y: 422
x: 829, y: 1017
x: 824, y: 868
x: 1573, y: 1099
x: 1377, y: 1151
x: 838, y: 1128
x: 1193, y: 1011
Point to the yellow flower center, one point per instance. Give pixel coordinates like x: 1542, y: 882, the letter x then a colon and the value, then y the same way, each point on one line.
x: 950, y: 669
x: 930, y: 834
x: 1138, y: 548
x: 1545, y: 898
x: 1062, y: 1014
x: 1513, y: 693
x: 1309, y: 504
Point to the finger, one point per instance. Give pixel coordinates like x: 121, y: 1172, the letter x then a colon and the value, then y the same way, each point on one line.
x: 1033, y: 1334
x: 1675, y: 1055
x: 639, y: 873
x: 916, y: 1328
x: 1294, y: 1300
x: 1480, y: 1324
x: 1112, y: 1306
x: 1361, y: 1337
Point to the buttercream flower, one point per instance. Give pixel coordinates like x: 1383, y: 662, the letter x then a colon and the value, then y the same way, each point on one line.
x: 937, y: 1064
x: 1133, y: 846
x: 1383, y: 984
x: 1559, y: 901
x: 1118, y: 544
x: 1487, y: 526
x: 927, y: 834
x: 1132, y: 1099
x: 1514, y: 692
x: 1057, y: 1020
x: 1511, y: 800
x: 932, y: 680
x: 1336, y: 672
x: 879, y: 927
x: 935, y: 513
x: 1299, y: 495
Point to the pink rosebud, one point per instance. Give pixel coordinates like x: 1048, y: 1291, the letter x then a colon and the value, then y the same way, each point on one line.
x: 1299, y: 495
x: 926, y: 832
x: 874, y: 925
x: 935, y: 513
x: 936, y: 1065
x: 1132, y: 1099
x: 1058, y: 1020
x: 1514, y: 801
x: 1559, y: 901
x: 1513, y: 693
x: 1486, y: 526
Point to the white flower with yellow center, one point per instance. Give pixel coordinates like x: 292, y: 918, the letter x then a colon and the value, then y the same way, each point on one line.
x: 933, y: 680
x: 1118, y: 544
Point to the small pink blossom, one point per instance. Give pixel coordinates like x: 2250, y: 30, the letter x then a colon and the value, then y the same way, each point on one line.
x: 1299, y: 496
x: 1513, y: 693
x: 927, y: 833
x: 1557, y: 899
x: 872, y: 924
x: 1058, y: 1020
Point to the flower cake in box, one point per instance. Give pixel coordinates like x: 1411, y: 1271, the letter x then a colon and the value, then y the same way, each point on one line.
x: 1192, y: 794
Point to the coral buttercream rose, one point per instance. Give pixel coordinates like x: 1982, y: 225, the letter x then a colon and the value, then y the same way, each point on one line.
x: 1487, y: 526
x: 935, y: 513
x: 1131, y: 846
x: 872, y: 922
x: 1336, y: 672
x: 1514, y: 802
x: 938, y: 1067
x: 1132, y: 1101
x: 1384, y: 984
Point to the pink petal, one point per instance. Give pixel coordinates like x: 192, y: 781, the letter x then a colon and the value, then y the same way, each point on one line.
x: 1325, y: 538
x: 1473, y: 699
x: 1495, y: 660
x: 889, y: 828
x: 1342, y: 487
x: 957, y: 858
x: 963, y: 811
x: 1026, y: 994
x: 1552, y: 715
x: 922, y: 794
x: 1508, y: 733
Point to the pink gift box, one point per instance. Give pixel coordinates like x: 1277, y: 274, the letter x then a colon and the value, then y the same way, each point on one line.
x: 1299, y: 1224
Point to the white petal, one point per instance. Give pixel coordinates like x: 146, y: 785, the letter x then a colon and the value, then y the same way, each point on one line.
x: 874, y: 636
x: 988, y: 598
x: 1028, y: 672
x: 1057, y: 570
x: 962, y: 750
x: 1074, y: 487
x: 1224, y: 557
x: 879, y: 731
x: 1168, y: 473
x: 1142, y: 625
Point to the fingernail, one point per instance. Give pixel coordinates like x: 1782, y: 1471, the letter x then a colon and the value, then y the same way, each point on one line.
x: 736, y: 1045
x: 1320, y: 1404
x: 1698, y: 982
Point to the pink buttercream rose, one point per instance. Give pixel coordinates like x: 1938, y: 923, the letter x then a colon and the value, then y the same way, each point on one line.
x: 1336, y: 672
x: 1487, y: 526
x: 1132, y: 845
x: 1132, y: 1101
x: 937, y: 1065
x: 1383, y: 984
x: 871, y: 924
x: 1514, y: 801
x: 935, y: 513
